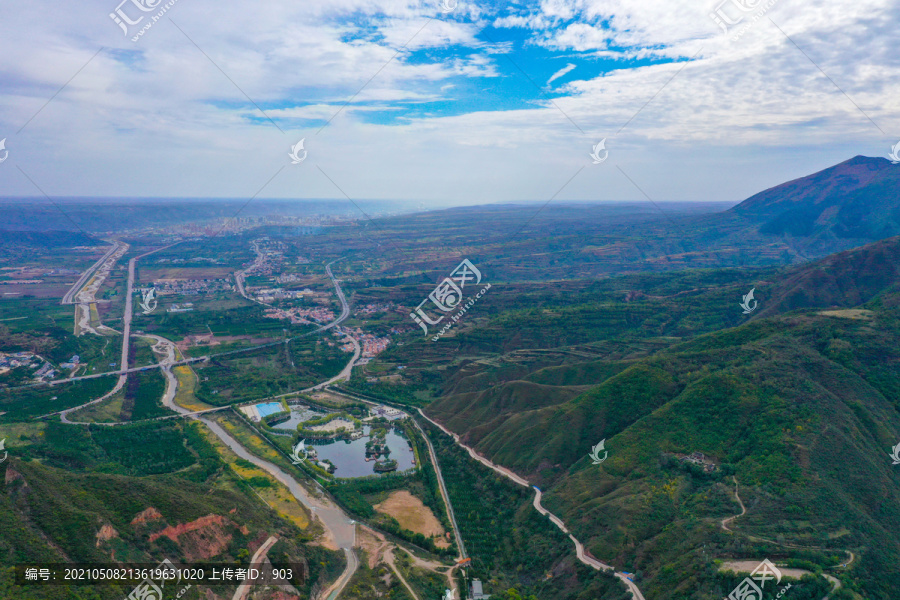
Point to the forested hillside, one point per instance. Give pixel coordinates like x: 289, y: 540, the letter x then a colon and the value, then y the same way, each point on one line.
x: 798, y: 407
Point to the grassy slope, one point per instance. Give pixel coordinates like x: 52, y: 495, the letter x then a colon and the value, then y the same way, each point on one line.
x: 80, y: 478
x: 801, y: 408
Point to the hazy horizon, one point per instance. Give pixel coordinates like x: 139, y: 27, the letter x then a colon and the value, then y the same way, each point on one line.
x: 460, y: 103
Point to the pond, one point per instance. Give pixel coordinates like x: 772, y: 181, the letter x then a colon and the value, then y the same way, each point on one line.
x: 349, y: 456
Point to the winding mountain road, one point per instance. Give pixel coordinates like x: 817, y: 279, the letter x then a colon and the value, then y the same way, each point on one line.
x: 728, y: 520
x: 835, y: 582
x: 579, y: 547
x: 258, y: 557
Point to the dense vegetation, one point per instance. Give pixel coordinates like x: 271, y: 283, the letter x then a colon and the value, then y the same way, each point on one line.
x: 800, y: 408
x: 89, y: 477
x: 508, y: 540
x: 25, y: 403
x: 268, y: 371
x: 143, y: 391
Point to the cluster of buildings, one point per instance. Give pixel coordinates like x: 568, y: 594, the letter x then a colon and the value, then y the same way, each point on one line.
x: 16, y: 359
x: 196, y: 259
x: 371, y: 344
x: 300, y: 316
x: 203, y: 228
x: 45, y: 372
x: 268, y: 295
x: 29, y: 274
x: 386, y: 412
x: 269, y: 257
x: 293, y: 277
x: 13, y: 360
x: 190, y: 287
x: 379, y: 307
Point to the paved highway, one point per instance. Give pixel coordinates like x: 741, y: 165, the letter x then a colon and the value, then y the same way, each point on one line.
x: 345, y: 312
x: 68, y: 298
x: 345, y: 308
x: 258, y: 557
x: 345, y: 372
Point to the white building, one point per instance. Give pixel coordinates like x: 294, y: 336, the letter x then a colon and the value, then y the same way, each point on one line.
x: 476, y: 592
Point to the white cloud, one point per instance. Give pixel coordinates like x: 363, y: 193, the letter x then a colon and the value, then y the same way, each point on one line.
x: 158, y: 118
x: 578, y: 36
x: 560, y: 73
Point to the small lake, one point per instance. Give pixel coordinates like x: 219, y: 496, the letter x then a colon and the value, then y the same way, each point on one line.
x: 349, y: 456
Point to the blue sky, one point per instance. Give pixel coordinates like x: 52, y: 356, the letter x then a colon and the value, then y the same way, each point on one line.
x: 488, y: 102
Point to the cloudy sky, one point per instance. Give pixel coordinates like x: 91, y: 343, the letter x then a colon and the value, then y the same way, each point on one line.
x: 465, y: 102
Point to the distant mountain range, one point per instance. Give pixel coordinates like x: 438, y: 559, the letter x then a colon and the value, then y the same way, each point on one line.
x: 858, y: 198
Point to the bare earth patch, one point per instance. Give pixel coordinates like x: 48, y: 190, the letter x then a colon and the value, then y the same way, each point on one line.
x: 411, y: 514
x: 747, y: 566
x: 849, y: 313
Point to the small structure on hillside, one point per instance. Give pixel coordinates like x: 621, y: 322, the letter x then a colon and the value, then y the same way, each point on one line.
x: 700, y: 459
x: 476, y: 592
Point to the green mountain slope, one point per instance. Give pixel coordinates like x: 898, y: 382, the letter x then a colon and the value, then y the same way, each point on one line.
x: 854, y: 199
x: 801, y: 408
x: 134, y: 494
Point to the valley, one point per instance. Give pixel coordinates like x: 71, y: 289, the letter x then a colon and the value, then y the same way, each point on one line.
x: 729, y: 437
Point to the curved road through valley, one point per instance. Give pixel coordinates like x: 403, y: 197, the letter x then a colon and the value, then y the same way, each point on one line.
x: 337, y: 523
x: 835, y: 582
x: 579, y: 547
x: 345, y: 308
